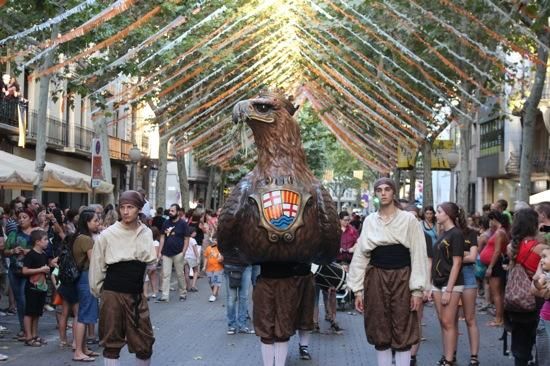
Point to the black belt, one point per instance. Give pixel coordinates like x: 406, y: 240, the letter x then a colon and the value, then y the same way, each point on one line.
x: 394, y: 256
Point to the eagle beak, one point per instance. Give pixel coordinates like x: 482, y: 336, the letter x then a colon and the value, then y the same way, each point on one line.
x: 241, y: 111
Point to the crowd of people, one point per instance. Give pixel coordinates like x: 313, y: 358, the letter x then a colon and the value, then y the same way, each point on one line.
x: 399, y: 259
x: 42, y: 244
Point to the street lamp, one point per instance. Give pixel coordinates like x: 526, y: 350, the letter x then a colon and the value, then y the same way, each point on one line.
x: 452, y: 159
x: 135, y: 155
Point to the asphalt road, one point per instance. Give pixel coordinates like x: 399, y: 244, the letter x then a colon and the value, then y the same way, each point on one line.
x: 194, y: 333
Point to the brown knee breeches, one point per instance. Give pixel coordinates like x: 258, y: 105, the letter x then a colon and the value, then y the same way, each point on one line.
x: 389, y: 322
x: 120, y: 323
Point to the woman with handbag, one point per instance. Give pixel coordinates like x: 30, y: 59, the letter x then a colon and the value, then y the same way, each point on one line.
x: 521, y: 310
x: 18, y: 244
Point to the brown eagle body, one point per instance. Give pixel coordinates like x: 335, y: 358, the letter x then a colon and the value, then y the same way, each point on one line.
x: 281, y: 180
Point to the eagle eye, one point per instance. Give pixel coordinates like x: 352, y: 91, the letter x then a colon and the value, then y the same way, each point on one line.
x: 262, y: 108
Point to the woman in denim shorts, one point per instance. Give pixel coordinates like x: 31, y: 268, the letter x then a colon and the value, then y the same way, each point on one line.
x: 469, y: 294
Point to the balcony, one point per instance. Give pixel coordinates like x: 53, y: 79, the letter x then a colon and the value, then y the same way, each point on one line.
x: 119, y: 149
x: 541, y: 163
x: 8, y: 114
x: 83, y: 138
x: 56, y: 131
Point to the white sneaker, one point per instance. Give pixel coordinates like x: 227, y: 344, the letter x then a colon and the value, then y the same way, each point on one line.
x: 48, y: 307
x: 3, y: 357
x: 3, y: 329
x: 212, y: 298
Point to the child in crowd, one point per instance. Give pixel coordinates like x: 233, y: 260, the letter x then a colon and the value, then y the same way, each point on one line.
x: 213, y: 267
x: 192, y: 261
x: 35, y: 267
x: 151, y: 276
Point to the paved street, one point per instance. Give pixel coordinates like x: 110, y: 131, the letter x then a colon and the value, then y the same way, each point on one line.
x: 193, y: 333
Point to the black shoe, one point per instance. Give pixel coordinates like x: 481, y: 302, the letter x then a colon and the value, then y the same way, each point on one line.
x: 413, y: 361
x: 304, y: 353
x: 336, y: 328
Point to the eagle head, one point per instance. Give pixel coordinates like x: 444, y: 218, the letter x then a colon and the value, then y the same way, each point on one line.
x: 264, y: 108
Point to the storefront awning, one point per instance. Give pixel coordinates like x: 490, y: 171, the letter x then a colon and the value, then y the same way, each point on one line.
x: 540, y: 197
x: 18, y: 173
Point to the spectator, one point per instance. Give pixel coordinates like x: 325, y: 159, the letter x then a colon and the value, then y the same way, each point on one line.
x: 428, y: 223
x: 151, y: 270
x: 492, y: 256
x: 18, y: 244
x: 35, y: 268
x: 158, y: 220
x: 213, y: 267
x: 13, y: 89
x: 88, y: 310
x: 192, y: 256
x: 174, y: 241
x: 525, y: 250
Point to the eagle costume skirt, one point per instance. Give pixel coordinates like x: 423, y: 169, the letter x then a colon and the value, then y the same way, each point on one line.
x: 124, y: 319
x: 282, y: 306
x: 389, y: 322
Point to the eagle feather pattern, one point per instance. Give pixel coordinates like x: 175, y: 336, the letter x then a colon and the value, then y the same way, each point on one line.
x: 280, y: 155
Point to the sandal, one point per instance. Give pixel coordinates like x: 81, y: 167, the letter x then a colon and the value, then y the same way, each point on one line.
x: 64, y: 344
x: 91, y: 353
x: 32, y: 343
x: 41, y: 340
x: 474, y: 361
x: 495, y: 324
x: 84, y: 359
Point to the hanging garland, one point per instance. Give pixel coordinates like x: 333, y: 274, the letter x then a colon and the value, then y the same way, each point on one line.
x: 492, y: 33
x: 332, y: 70
x: 117, y: 37
x: 368, y: 77
x: 464, y: 39
x: 397, y: 16
x: 403, y: 51
x: 49, y: 23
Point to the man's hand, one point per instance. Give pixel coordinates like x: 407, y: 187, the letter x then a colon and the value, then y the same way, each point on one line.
x: 359, y: 302
x: 416, y: 302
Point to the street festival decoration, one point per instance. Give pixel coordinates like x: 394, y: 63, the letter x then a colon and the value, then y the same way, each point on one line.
x: 279, y: 212
x: 371, y: 102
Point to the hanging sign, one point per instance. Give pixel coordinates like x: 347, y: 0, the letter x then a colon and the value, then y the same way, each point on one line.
x: 97, y: 171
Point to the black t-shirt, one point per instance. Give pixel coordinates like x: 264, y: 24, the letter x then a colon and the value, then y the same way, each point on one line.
x: 174, y: 236
x: 33, y: 259
x: 450, y: 244
x: 470, y: 240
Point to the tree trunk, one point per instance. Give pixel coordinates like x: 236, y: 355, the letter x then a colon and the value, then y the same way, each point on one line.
x: 210, y: 187
x: 412, y: 182
x: 42, y: 121
x: 397, y: 179
x: 221, y: 195
x: 184, y: 183
x: 465, y: 128
x: 428, y: 197
x: 160, y: 187
x: 100, y: 130
x: 529, y: 116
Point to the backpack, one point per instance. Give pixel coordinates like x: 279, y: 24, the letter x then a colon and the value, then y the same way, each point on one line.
x: 68, y: 270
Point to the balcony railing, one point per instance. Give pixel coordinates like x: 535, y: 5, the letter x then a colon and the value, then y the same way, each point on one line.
x: 8, y: 111
x: 56, y: 131
x: 144, y: 144
x: 119, y: 149
x: 83, y: 138
x: 541, y: 163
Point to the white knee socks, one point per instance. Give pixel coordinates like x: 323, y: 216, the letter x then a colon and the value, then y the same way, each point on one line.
x: 304, y: 337
x: 403, y: 358
x: 111, y: 361
x: 140, y: 362
x: 281, y: 350
x: 268, y: 353
x: 384, y: 357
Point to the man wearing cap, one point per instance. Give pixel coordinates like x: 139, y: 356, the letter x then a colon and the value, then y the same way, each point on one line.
x: 117, y: 270
x: 388, y: 274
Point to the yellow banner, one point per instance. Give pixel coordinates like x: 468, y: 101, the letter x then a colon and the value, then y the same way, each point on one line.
x: 440, y: 148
